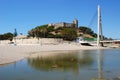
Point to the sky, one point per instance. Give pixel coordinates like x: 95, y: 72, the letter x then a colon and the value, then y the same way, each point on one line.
x: 27, y: 14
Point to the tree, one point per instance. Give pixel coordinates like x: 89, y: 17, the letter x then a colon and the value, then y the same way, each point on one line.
x: 15, y: 33
x: 6, y: 36
x: 31, y: 33
x: 39, y: 31
x: 1, y: 37
x: 50, y: 28
x: 87, y: 30
x: 69, y: 34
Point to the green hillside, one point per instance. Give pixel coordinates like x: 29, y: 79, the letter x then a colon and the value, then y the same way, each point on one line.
x: 70, y: 34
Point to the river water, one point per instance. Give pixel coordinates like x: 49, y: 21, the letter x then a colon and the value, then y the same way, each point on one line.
x: 68, y: 65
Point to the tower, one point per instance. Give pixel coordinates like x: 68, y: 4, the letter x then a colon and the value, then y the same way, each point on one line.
x: 75, y: 23
x: 99, y: 36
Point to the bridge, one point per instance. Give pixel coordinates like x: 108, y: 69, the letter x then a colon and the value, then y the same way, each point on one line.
x: 111, y: 41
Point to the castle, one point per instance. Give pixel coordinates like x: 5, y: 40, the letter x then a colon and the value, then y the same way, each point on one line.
x: 64, y: 24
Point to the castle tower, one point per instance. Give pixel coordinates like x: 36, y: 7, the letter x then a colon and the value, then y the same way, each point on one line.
x: 75, y: 22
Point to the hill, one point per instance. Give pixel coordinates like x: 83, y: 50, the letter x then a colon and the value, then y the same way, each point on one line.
x: 66, y: 33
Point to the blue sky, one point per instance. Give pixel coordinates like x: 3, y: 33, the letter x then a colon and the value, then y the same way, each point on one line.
x: 27, y: 14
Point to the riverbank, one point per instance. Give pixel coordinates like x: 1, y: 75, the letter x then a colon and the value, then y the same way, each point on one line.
x: 12, y: 53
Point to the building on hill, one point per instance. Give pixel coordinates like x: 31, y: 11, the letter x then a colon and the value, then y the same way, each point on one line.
x: 64, y: 24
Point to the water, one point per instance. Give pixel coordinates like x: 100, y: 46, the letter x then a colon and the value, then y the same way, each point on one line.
x: 72, y: 65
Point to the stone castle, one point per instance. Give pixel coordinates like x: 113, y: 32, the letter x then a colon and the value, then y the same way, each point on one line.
x: 64, y: 24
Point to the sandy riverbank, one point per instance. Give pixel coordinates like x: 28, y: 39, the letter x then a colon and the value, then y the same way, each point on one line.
x: 11, y: 53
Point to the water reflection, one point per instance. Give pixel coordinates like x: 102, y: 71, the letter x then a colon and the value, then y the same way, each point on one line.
x: 71, y: 65
x: 62, y: 61
x: 100, y: 65
x: 100, y: 54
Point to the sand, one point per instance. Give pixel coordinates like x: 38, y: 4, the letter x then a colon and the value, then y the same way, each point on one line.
x: 12, y: 53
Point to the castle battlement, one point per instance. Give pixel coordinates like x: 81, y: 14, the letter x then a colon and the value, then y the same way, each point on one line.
x: 64, y: 24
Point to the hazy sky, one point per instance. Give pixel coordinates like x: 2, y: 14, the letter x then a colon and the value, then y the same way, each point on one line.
x: 27, y: 14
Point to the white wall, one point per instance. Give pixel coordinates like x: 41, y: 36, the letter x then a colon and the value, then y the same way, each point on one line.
x: 34, y: 41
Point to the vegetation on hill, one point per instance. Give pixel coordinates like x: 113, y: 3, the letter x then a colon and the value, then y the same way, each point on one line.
x: 46, y: 31
x: 70, y: 34
x: 87, y: 31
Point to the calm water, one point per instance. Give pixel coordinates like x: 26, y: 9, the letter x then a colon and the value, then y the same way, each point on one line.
x: 73, y: 65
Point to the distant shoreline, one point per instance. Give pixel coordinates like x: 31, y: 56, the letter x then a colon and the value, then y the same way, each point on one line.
x: 11, y: 53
